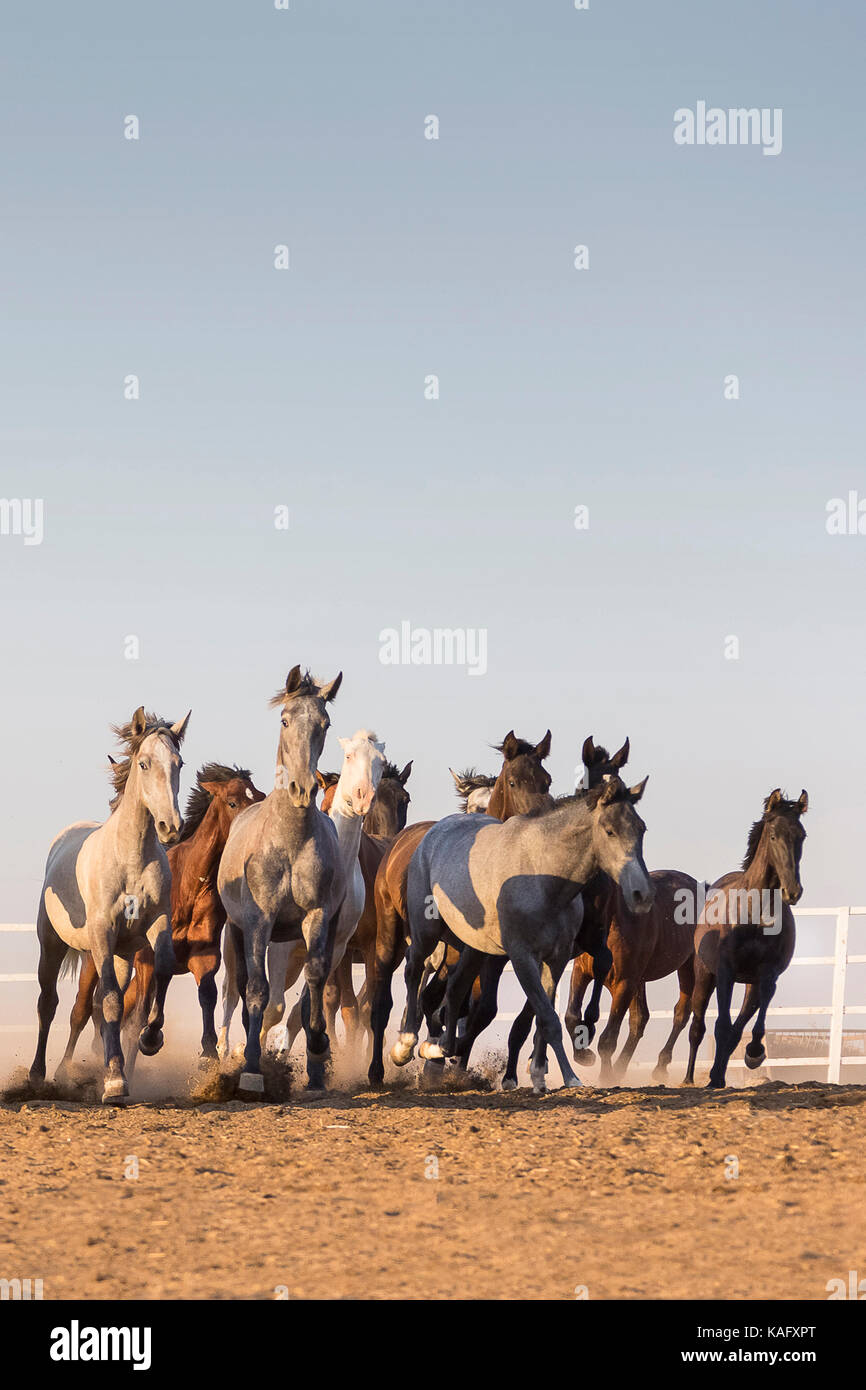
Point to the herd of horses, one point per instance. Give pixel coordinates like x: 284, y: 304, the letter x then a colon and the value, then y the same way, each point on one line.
x: 278, y: 886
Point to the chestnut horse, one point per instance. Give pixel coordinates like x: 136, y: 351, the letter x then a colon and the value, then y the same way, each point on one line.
x: 523, y: 785
x: 643, y: 948
x: 746, y: 934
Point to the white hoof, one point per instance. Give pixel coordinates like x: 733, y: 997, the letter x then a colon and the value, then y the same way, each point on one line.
x: 431, y: 1051
x: 573, y: 1082
x: 403, y: 1048
x: 114, y: 1090
x: 538, y: 1077
x: 222, y: 1044
x: 251, y: 1081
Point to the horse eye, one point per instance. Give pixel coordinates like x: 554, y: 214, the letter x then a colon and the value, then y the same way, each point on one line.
x: 233, y: 803
x: 143, y: 765
x: 285, y: 723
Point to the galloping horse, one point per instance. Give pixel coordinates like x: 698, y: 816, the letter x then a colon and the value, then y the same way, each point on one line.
x: 643, y: 948
x: 523, y: 785
x: 504, y: 889
x: 107, y: 891
x: 746, y: 934
x: 281, y: 878
x: 197, y: 914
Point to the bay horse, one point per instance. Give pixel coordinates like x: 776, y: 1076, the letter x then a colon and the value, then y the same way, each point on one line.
x: 197, y: 914
x: 281, y: 877
x: 523, y: 785
x: 644, y: 948
x: 107, y: 890
x: 746, y: 934
x: 474, y: 789
x: 502, y: 889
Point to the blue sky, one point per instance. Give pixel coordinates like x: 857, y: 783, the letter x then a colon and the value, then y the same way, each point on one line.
x: 557, y: 388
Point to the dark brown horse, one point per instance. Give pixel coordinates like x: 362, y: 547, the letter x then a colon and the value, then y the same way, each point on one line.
x: 746, y: 934
x: 643, y: 948
x: 197, y: 915
x: 522, y: 785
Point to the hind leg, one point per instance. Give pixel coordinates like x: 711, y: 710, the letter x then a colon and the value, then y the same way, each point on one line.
x: 517, y: 1036
x: 622, y: 993
x: 682, y: 1009
x: 51, y: 952
x: 203, y: 967
x: 82, y: 1010
x: 639, y: 1015
x: 460, y: 981
x: 540, y: 991
x: 150, y: 1039
x: 704, y: 985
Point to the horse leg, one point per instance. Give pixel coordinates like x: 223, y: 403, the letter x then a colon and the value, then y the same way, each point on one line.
x: 541, y: 993
x: 350, y: 1011
x: 136, y: 1006
x: 425, y: 935
x: 318, y: 936
x: 580, y: 978
x: 52, y: 950
x: 294, y: 1023
x: 115, y: 1086
x: 621, y: 995
x: 203, y: 968
x: 253, y: 982
x: 682, y: 1009
x: 517, y: 1036
x: 602, y: 964
x: 279, y: 953
x: 388, y: 949
x: 150, y: 1039
x: 704, y: 985
x: 229, y: 992
x: 755, y: 1050
x: 639, y: 1015
x: 724, y: 1027
x: 483, y: 1009
x: 82, y: 1010
x: 460, y: 981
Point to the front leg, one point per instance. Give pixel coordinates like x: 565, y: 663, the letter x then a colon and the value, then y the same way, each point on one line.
x: 150, y: 1039
x: 316, y: 928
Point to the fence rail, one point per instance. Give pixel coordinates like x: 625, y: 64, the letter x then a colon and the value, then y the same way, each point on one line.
x: 837, y: 1010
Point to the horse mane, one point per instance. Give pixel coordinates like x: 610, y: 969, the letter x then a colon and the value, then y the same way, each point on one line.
x: 131, y: 744
x: 328, y: 779
x: 467, y: 781
x: 781, y: 808
x: 391, y: 770
x: 585, y: 796
x: 200, y: 799
x: 521, y: 747
x: 306, y: 686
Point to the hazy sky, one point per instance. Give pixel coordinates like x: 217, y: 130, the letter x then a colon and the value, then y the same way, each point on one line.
x: 559, y: 387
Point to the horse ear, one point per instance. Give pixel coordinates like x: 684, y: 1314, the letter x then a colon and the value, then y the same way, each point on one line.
x: 113, y: 761
x: 293, y: 680
x: 403, y: 777
x: 329, y: 691
x: 179, y: 729
x: 321, y: 779
x: 587, y: 755
x: 803, y: 802
x: 344, y: 743
x: 543, y: 748
x: 635, y: 793
x: 621, y: 758
x: 138, y: 722
x: 773, y: 799
x: 509, y: 746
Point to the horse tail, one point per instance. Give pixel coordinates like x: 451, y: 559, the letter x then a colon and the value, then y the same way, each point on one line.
x: 70, y: 965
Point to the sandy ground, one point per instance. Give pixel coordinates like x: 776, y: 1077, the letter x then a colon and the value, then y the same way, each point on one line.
x: 464, y: 1194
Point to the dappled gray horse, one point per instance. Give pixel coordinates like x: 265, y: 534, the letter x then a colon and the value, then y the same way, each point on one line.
x: 281, y: 877
x: 501, y: 889
x: 107, y: 890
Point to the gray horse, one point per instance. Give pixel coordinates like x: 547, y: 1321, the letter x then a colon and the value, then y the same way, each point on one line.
x: 107, y: 890
x: 281, y: 878
x: 503, y: 889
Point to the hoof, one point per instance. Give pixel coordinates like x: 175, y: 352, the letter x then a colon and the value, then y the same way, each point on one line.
x: 252, y: 1082
x: 431, y: 1051
x: 509, y: 1083
x: 572, y: 1083
x: 401, y: 1052
x: 150, y: 1043
x: 753, y: 1060
x: 584, y: 1056
x: 37, y: 1082
x: 114, y: 1091
x: 660, y: 1074
x: 713, y: 1085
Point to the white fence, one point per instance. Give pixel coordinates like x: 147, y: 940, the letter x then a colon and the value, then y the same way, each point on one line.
x: 837, y: 1010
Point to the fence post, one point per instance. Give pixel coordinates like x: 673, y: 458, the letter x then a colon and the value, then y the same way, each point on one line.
x: 837, y: 1018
